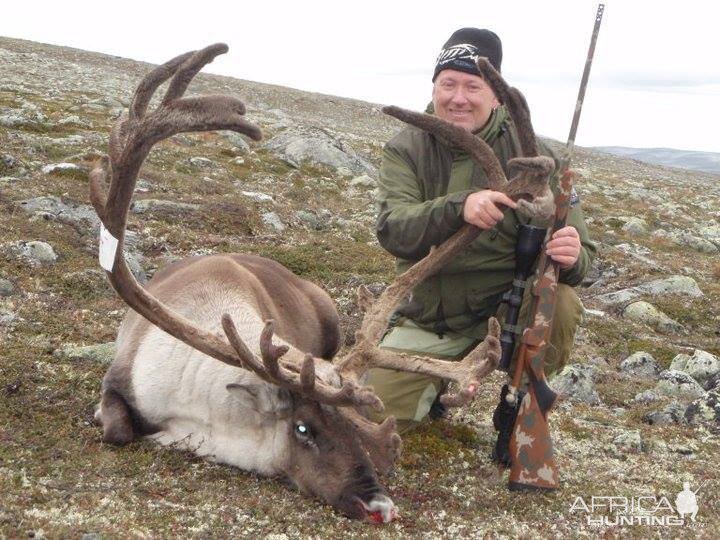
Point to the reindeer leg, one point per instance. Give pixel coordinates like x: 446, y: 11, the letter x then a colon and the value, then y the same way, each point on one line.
x: 114, y: 414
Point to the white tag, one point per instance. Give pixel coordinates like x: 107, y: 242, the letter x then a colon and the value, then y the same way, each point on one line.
x: 108, y: 248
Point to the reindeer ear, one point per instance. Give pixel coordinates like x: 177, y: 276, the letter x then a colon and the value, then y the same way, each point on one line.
x: 260, y: 397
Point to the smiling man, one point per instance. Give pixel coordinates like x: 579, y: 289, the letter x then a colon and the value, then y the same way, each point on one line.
x: 427, y: 190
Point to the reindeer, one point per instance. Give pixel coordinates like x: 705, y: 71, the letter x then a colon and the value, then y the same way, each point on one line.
x: 229, y: 356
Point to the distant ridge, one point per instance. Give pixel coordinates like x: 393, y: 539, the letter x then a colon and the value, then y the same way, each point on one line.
x: 683, y: 159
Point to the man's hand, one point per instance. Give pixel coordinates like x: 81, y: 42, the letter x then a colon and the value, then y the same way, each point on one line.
x: 564, y: 247
x: 482, y: 208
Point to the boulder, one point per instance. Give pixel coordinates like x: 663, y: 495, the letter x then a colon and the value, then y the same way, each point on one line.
x: 102, y: 353
x: 678, y: 384
x: 54, y: 208
x: 680, y: 285
x: 673, y: 413
x: 641, y: 364
x: 701, y: 365
x: 705, y: 409
x: 575, y: 382
x: 646, y: 313
x: 318, y: 147
x: 273, y: 220
x: 629, y: 441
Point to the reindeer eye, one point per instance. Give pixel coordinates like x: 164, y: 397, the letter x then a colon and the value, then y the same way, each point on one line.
x: 302, y: 430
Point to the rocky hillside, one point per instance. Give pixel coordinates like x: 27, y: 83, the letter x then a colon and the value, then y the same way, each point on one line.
x: 642, y: 413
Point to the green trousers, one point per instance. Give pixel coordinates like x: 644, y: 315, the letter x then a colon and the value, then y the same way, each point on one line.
x: 408, y: 396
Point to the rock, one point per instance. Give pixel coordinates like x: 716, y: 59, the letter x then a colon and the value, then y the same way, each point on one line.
x: 701, y: 365
x: 681, y: 285
x: 705, y: 409
x: 237, y: 140
x: 202, y: 163
x: 646, y: 313
x: 256, y: 196
x: 642, y: 364
x: 136, y: 268
x: 713, y: 383
x: 52, y: 167
x: 646, y: 396
x: 309, y: 219
x: 575, y: 382
x: 54, y: 208
x: 73, y: 120
x: 686, y: 239
x: 318, y: 147
x: 629, y: 441
x: 363, y: 181
x: 273, y: 220
x: 711, y: 233
x: 237, y: 161
x: 102, y: 353
x: 7, y: 318
x: 674, y: 413
x: 35, y: 252
x: 678, y: 384
x: 635, y: 226
x: 6, y: 287
x: 151, y: 205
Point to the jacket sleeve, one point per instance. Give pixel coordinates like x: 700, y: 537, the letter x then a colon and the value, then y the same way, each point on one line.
x: 408, y: 226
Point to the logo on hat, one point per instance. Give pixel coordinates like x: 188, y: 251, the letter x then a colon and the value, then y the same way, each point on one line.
x: 462, y: 51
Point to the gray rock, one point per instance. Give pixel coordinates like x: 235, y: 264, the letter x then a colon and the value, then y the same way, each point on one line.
x: 635, y: 226
x: 309, y: 219
x: 681, y: 285
x: 102, y: 353
x: 674, y: 413
x: 713, y: 383
x: 318, y: 147
x: 705, y: 409
x: 151, y: 205
x: 686, y: 239
x: 711, y: 233
x: 629, y: 441
x: 646, y: 313
x: 256, y: 196
x: 35, y: 252
x: 363, y: 181
x: 642, y: 364
x: 678, y: 384
x: 7, y: 318
x: 576, y: 383
x: 237, y: 161
x: 237, y: 140
x: 74, y: 120
x: 701, y: 365
x: 273, y: 220
x: 52, y: 167
x: 202, y: 163
x: 6, y: 287
x: 53, y: 208
x: 646, y: 396
x: 133, y: 262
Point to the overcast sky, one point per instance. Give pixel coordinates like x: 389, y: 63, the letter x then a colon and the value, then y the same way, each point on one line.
x: 655, y: 80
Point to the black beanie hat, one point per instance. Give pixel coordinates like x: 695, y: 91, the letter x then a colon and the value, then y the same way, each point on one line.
x: 462, y: 50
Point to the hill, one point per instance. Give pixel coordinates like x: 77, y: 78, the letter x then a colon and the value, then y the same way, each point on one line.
x: 682, y: 159
x: 642, y: 414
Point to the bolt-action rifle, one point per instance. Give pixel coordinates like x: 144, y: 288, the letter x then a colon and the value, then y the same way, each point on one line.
x: 532, y: 464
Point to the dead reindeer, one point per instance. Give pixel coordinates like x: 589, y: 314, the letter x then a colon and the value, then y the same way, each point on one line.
x: 229, y: 355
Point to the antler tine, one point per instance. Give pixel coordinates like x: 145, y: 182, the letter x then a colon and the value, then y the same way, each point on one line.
x: 306, y: 383
x: 513, y: 99
x: 380, y: 440
x: 191, y: 67
x: 476, y: 147
x: 151, y: 81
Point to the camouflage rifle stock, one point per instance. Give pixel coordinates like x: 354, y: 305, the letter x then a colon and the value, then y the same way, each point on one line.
x: 533, y: 465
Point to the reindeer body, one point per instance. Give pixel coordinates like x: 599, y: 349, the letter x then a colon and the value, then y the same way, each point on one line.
x: 176, y: 395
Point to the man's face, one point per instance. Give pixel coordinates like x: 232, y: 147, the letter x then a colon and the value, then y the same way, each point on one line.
x: 463, y: 99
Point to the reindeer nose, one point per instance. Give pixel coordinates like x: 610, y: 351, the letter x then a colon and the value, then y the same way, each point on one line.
x: 380, y: 509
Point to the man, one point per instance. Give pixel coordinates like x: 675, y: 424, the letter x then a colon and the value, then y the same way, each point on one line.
x: 427, y: 190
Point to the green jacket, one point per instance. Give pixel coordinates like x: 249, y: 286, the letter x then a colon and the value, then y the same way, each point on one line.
x: 422, y: 188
